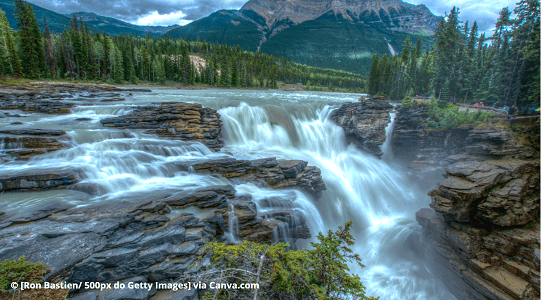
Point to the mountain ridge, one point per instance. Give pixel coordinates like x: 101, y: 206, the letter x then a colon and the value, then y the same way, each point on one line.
x: 340, y: 34
x: 113, y: 24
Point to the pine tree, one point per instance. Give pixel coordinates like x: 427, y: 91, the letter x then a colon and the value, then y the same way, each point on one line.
x: 13, y: 57
x: 31, y: 50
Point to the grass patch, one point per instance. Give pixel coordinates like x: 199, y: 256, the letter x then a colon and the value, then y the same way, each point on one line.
x: 22, y: 270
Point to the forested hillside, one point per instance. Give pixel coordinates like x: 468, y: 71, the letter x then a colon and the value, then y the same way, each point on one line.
x: 465, y: 67
x: 81, y: 54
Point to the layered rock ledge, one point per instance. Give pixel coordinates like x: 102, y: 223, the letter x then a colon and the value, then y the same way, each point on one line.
x: 26, y: 143
x: 482, y: 231
x: 175, y: 120
x: 364, y: 124
x: 276, y: 174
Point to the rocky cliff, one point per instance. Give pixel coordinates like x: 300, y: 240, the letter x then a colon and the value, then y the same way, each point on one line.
x: 482, y: 230
x: 364, y: 124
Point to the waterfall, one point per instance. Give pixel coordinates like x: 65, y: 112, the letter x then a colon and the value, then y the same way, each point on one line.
x: 233, y: 227
x: 129, y: 164
x: 379, y: 199
x: 386, y: 147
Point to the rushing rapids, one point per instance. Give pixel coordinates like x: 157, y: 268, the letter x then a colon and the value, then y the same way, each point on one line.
x: 378, y: 197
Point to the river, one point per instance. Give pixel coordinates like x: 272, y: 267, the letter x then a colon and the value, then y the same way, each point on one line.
x: 377, y: 195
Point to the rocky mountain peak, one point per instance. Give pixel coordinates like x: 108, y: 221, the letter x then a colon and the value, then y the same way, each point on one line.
x: 394, y: 14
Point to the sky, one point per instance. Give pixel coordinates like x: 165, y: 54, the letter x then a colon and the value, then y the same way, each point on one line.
x: 169, y: 12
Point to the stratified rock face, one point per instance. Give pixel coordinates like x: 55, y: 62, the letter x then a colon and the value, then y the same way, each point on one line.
x: 38, y: 179
x: 483, y: 229
x: 180, y: 121
x: 501, y: 192
x: 397, y: 15
x: 364, y: 124
x: 121, y: 240
x: 25, y: 143
x: 277, y: 174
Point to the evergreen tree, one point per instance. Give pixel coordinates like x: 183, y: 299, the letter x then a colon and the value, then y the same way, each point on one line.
x: 12, y: 56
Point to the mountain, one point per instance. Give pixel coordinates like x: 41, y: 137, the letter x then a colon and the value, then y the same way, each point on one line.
x: 57, y: 22
x: 114, y: 26
x: 339, y: 34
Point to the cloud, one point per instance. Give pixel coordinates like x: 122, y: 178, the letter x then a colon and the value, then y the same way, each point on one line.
x: 155, y: 19
x: 151, y: 12
x: 484, y: 12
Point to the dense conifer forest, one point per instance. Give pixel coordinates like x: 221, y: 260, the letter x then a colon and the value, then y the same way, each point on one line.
x: 79, y: 54
x: 465, y: 67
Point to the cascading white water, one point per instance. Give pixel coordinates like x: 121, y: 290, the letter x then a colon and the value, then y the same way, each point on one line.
x: 233, y: 229
x: 386, y: 147
x: 380, y: 200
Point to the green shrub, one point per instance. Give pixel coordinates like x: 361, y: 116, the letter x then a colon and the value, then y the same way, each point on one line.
x: 318, y: 273
x: 19, y: 270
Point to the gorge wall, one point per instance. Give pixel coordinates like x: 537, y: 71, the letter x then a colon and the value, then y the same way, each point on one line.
x: 482, y: 230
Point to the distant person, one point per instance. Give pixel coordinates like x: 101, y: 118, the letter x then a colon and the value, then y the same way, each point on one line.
x: 516, y: 111
x: 506, y: 109
x: 512, y: 110
x: 482, y: 104
x: 496, y: 104
x: 476, y: 104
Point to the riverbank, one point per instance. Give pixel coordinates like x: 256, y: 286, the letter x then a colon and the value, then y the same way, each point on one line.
x: 10, y: 83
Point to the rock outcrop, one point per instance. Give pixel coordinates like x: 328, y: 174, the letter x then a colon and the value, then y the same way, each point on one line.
x: 143, y: 239
x: 276, y: 174
x: 482, y: 231
x: 26, y: 143
x: 175, y: 120
x: 364, y: 124
x: 429, y: 150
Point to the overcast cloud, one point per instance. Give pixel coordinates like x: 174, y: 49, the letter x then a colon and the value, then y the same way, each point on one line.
x: 168, y: 12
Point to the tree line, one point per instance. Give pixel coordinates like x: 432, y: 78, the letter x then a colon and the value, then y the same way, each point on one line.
x: 81, y: 55
x: 465, y: 67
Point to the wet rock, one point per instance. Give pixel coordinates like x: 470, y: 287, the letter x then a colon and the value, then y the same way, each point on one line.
x: 364, y: 124
x: 214, y: 196
x: 180, y: 121
x: 25, y: 143
x: 38, y: 179
x: 36, y: 105
x: 277, y: 174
